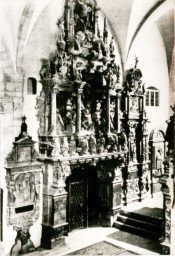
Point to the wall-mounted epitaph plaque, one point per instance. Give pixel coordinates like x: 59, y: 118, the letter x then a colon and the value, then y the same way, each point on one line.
x: 23, y: 178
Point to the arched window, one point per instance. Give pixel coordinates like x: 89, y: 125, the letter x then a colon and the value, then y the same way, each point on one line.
x: 31, y: 85
x: 152, y: 97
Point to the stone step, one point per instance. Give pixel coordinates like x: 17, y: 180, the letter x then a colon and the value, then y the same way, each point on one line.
x: 140, y: 224
x: 142, y: 217
x: 137, y: 230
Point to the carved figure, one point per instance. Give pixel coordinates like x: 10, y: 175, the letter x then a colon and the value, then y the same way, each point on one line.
x: 60, y: 123
x: 36, y: 190
x: 110, y: 76
x: 72, y: 146
x: 56, y: 175
x: 11, y: 195
x: 112, y: 116
x: 55, y: 149
x: 70, y: 117
x: 86, y: 119
x: 123, y: 139
x: 61, y: 33
x: 77, y: 72
x: 111, y: 47
x: 82, y: 10
x: 100, y: 143
x: 83, y: 145
x: 77, y: 43
x: 65, y: 147
x: 134, y: 104
x: 112, y: 143
x: 132, y: 146
x: 99, y: 47
x: 92, y: 144
x: 45, y: 72
x: 159, y: 161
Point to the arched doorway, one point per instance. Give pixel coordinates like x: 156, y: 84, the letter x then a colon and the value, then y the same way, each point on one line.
x: 83, y: 197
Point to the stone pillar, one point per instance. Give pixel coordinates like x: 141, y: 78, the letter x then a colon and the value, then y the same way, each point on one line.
x: 168, y: 189
x: 79, y: 110
x: 67, y: 18
x: 117, y: 184
x: 118, y: 111
x: 167, y: 180
x: 54, y: 226
x: 110, y: 190
x: 53, y: 112
x: 108, y: 114
x: 96, y: 20
x: 47, y: 113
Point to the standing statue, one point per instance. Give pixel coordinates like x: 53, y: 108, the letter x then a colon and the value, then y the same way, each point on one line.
x: 112, y: 143
x: 132, y: 146
x: 72, y: 146
x: 65, y: 147
x: 82, y: 10
x: 92, y: 144
x: 77, y: 72
x: 111, y: 47
x: 86, y: 119
x: 123, y: 140
x: 60, y: 123
x: 101, y: 143
x: 61, y: 33
x: 45, y: 72
x: 83, y: 146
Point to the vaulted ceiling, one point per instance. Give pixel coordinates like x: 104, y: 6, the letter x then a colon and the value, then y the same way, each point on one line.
x: 128, y: 18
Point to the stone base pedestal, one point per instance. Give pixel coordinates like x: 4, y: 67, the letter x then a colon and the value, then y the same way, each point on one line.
x: 23, y: 244
x: 168, y: 249
x: 52, y: 236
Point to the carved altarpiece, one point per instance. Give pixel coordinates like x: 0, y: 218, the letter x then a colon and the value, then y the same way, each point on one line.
x: 82, y: 119
x: 134, y: 122
x: 23, y: 177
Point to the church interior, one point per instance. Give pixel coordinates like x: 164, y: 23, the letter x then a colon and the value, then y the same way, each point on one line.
x: 87, y: 91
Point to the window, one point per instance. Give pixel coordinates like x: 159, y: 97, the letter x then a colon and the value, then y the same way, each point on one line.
x: 152, y: 97
x: 31, y: 85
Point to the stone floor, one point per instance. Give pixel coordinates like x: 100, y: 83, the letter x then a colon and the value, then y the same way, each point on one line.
x: 123, y: 243
x: 79, y: 240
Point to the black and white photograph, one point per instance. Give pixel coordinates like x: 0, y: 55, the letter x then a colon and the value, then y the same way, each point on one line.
x: 87, y: 127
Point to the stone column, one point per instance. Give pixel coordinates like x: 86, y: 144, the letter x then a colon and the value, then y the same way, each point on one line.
x: 108, y: 114
x: 96, y: 20
x: 167, y: 180
x: 127, y: 105
x: 79, y: 110
x: 2, y: 145
x: 53, y: 112
x: 110, y: 191
x: 47, y: 113
x: 55, y: 226
x: 117, y: 184
x: 67, y: 17
x: 142, y: 104
x: 118, y: 98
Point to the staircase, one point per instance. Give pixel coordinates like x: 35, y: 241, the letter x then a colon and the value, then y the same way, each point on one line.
x: 141, y: 222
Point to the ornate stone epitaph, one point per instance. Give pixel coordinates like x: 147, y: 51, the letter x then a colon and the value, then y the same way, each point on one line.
x: 23, y: 179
